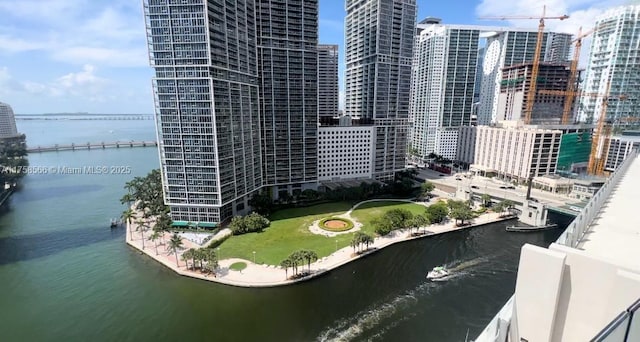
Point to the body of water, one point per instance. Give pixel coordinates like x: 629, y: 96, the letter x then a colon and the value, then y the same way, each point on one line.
x: 65, y: 276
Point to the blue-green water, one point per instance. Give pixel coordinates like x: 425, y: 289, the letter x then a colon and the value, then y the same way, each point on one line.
x: 65, y: 276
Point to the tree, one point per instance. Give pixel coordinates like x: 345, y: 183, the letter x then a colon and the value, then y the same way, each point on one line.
x: 153, y: 238
x: 486, y: 200
x: 141, y: 226
x: 296, y: 258
x: 359, y: 239
x: 185, y: 257
x: 461, y: 213
x: 200, y: 256
x: 261, y: 202
x: 189, y: 254
x: 427, y: 187
x: 309, y: 257
x: 163, y: 224
x: 437, y: 212
x: 367, y: 240
x: 398, y: 217
x: 422, y: 221
x: 211, y: 258
x: 286, y: 263
x: 175, y: 244
x: 128, y: 215
x: 253, y: 222
x: 383, y: 225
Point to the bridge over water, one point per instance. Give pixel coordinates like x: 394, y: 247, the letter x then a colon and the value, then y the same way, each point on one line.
x: 91, y: 146
x: 85, y: 117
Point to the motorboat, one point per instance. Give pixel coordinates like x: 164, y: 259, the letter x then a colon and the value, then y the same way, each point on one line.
x: 438, y: 272
x: 522, y: 229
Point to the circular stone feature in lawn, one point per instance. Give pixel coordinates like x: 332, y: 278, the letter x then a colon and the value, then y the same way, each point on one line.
x: 336, y: 224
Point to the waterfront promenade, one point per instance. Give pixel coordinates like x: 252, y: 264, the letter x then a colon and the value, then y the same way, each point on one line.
x: 256, y: 275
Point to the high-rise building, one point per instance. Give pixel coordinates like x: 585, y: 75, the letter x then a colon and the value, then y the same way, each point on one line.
x: 511, y: 47
x: 379, y: 49
x: 235, y: 91
x: 514, y: 91
x: 327, y: 82
x: 614, y: 57
x: 287, y: 32
x: 7, y: 121
x: 443, y: 86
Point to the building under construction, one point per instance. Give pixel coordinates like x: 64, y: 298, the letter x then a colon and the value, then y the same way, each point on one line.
x: 514, y: 92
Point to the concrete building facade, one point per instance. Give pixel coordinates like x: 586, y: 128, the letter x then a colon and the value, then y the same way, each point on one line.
x: 512, y: 47
x: 466, y: 145
x: 7, y: 121
x: 379, y: 50
x: 516, y: 152
x: 620, y: 147
x: 327, y: 82
x: 614, y: 57
x: 346, y: 152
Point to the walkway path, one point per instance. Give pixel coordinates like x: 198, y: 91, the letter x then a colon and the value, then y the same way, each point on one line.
x: 268, y: 276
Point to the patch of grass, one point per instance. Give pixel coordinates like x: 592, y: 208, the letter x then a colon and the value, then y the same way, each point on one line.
x: 368, y: 212
x: 348, y: 224
x: 238, y: 266
x: 289, y: 231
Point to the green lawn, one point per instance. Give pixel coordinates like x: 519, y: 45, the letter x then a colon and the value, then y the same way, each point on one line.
x: 238, y: 266
x: 289, y: 231
x: 369, y: 211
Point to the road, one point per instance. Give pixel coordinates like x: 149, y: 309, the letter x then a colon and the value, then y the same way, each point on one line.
x: 491, y: 186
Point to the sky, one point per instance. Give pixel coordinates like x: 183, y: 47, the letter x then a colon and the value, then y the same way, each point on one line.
x: 91, y: 55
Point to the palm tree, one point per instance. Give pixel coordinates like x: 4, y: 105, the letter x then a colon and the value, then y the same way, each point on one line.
x: 189, y: 254
x: 212, y: 260
x: 200, y: 256
x: 286, y: 263
x: 366, y: 239
x: 355, y: 242
x: 175, y: 244
x: 141, y: 225
x: 128, y: 215
x: 309, y: 256
x: 155, y: 236
x: 486, y: 200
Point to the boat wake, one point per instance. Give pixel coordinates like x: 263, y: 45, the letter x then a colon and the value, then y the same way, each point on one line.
x: 364, y: 322
x: 458, y: 269
x: 371, y: 324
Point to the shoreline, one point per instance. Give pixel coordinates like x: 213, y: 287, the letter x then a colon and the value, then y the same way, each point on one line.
x: 265, y: 276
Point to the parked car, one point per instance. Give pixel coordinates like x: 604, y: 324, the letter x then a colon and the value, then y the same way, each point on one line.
x: 474, y: 187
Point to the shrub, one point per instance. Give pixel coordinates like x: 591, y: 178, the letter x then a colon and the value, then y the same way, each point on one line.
x: 253, y: 222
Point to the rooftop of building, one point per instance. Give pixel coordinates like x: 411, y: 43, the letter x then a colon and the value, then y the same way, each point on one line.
x: 614, y: 235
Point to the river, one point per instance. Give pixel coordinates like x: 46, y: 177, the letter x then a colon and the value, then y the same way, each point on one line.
x: 65, y: 276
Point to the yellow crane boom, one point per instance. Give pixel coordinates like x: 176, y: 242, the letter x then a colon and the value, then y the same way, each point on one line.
x: 536, y: 58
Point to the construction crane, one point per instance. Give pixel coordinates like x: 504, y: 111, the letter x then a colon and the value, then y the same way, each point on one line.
x: 571, y: 93
x: 573, y: 77
x: 536, y: 58
x: 601, y: 135
x: 602, y: 131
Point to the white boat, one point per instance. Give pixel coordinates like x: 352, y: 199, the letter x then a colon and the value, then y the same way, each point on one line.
x: 437, y: 272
